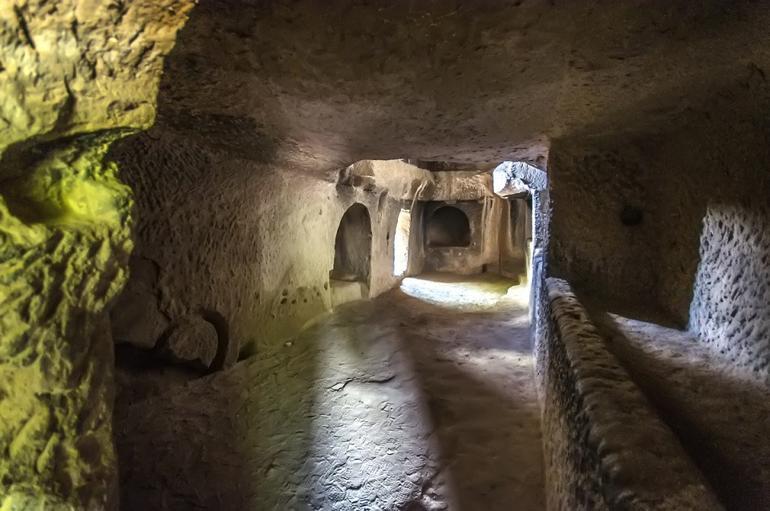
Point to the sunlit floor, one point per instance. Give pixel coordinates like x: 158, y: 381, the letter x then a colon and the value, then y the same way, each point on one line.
x: 420, y: 399
x: 466, y: 293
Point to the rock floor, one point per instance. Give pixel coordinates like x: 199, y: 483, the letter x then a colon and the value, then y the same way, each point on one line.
x: 722, y: 418
x: 421, y: 399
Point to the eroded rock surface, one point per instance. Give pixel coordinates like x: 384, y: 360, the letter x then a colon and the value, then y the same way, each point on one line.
x: 74, y: 76
x: 651, y: 119
x: 605, y: 446
x: 192, y: 341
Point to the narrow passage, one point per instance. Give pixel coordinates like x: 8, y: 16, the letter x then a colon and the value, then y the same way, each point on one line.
x: 423, y: 398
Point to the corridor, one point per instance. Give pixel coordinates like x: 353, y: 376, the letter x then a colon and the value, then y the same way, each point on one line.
x: 421, y: 399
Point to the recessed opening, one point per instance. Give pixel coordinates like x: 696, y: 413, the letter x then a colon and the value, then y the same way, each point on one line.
x: 349, y: 278
x: 631, y: 216
x: 353, y: 246
x: 448, y: 226
x: 401, y: 243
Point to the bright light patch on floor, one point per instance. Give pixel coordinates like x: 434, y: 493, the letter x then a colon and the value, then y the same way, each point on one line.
x: 463, y: 294
x: 371, y: 425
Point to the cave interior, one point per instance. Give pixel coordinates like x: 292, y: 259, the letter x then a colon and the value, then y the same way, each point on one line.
x: 414, y: 256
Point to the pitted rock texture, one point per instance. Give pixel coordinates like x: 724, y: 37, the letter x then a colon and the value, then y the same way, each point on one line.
x: 714, y: 252
x: 605, y: 448
x: 74, y: 76
x: 677, y: 221
x: 713, y: 229
x: 731, y: 304
x: 393, y: 403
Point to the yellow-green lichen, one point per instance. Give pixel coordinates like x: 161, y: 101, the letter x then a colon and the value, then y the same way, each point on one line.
x: 74, y: 75
x: 65, y: 237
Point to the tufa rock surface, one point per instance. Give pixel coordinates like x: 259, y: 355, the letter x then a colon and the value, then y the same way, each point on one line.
x: 75, y: 75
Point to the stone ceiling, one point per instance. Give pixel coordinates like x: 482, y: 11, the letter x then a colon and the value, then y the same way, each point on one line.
x: 322, y: 84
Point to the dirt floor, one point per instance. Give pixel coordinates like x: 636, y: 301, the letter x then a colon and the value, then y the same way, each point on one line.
x: 421, y: 399
x: 722, y: 418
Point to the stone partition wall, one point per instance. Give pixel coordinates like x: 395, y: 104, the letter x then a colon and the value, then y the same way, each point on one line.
x: 604, y: 446
x: 730, y: 310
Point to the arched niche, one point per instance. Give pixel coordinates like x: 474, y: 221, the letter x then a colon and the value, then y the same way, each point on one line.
x: 353, y: 246
x: 448, y: 226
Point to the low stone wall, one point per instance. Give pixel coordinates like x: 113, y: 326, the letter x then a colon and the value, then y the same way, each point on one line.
x: 605, y: 448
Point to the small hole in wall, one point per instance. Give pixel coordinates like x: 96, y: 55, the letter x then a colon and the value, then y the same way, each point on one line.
x: 283, y: 301
x: 631, y: 216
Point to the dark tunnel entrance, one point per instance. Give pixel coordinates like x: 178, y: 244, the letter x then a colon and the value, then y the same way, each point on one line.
x: 448, y: 227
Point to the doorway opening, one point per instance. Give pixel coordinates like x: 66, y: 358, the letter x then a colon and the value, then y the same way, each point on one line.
x: 401, y: 243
